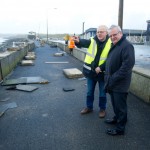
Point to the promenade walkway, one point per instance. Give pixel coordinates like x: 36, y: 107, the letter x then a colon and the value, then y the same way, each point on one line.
x: 49, y: 118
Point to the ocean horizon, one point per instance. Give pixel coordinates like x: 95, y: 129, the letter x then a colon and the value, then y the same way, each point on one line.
x: 2, y: 40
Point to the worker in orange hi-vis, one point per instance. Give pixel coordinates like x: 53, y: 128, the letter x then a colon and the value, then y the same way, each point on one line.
x: 71, y: 45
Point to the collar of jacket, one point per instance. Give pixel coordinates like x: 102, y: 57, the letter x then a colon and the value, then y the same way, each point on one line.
x: 119, y: 42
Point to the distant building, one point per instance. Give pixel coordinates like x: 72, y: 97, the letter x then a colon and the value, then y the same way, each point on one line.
x: 91, y: 32
x: 135, y: 36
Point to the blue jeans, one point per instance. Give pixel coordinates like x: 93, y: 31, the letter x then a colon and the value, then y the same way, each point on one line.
x: 90, y: 94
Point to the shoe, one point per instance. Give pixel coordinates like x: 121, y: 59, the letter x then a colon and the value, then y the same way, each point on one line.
x: 114, y: 132
x: 102, y: 113
x: 110, y: 121
x: 86, y: 111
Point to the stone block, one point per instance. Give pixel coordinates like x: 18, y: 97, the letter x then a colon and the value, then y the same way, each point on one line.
x: 72, y: 73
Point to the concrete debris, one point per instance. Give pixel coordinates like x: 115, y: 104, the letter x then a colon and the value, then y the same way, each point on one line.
x: 25, y: 80
x: 27, y: 63
x: 68, y: 89
x: 31, y: 53
x: 27, y: 88
x: 72, y: 73
x: 4, y: 107
x: 30, y: 57
x: 13, y: 49
x: 58, y: 54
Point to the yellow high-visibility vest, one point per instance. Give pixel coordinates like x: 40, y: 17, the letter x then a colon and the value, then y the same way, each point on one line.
x: 92, y: 50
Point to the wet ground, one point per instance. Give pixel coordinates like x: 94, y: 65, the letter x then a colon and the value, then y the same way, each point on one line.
x: 49, y: 118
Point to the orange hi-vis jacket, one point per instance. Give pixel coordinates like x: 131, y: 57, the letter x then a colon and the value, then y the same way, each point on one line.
x: 71, y: 43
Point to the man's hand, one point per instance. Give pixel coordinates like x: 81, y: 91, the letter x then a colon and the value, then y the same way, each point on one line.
x: 76, y: 39
x: 98, y: 70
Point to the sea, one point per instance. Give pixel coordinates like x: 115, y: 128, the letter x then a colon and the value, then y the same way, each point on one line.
x: 142, y: 56
x: 2, y: 40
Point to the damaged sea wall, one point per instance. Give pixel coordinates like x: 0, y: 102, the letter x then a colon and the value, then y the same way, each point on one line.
x: 10, y: 59
x: 140, y: 83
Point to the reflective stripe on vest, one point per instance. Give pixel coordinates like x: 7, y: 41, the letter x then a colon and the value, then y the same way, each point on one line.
x: 92, y: 50
x: 87, y: 67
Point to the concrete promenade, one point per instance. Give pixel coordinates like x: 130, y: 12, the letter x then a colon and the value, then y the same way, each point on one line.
x: 49, y: 118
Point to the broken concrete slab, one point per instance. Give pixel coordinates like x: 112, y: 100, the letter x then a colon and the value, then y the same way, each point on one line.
x: 30, y: 57
x: 68, y: 89
x: 27, y: 62
x: 31, y: 53
x: 58, y: 54
x: 20, y: 87
x: 27, y: 88
x: 11, y: 88
x: 35, y: 80
x: 4, y: 107
x: 14, y: 81
x: 72, y: 73
x: 25, y: 80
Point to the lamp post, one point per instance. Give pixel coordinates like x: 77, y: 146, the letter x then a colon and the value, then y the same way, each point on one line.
x: 120, y: 14
x: 83, y: 27
x: 47, y: 26
x: 47, y: 21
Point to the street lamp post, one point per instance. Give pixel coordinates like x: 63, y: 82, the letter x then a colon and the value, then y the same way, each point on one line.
x: 83, y: 27
x: 47, y: 22
x: 47, y: 27
x: 120, y: 14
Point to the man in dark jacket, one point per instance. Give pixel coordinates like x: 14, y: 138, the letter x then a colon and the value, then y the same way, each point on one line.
x: 119, y: 64
x: 97, y: 51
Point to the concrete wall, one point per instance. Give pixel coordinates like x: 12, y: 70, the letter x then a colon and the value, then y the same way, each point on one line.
x: 9, y: 61
x: 140, y: 84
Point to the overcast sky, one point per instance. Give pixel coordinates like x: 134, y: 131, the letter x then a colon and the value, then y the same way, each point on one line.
x: 67, y: 16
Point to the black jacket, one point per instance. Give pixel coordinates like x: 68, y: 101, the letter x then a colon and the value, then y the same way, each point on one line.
x: 119, y: 64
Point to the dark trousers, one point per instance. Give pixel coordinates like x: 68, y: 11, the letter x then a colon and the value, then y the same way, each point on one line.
x: 71, y: 50
x: 120, y: 109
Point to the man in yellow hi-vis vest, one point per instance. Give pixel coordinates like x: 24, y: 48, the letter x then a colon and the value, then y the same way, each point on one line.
x: 94, y: 67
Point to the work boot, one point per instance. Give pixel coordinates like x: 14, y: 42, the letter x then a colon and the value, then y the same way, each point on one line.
x: 86, y: 111
x: 102, y: 113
